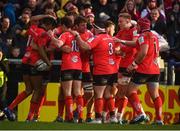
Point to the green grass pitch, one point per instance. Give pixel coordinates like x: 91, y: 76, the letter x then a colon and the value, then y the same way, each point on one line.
x: 6, y: 125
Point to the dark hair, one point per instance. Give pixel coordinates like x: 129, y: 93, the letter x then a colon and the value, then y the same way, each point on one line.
x: 67, y: 21
x: 125, y: 15
x: 80, y: 19
x: 49, y: 6
x: 49, y: 21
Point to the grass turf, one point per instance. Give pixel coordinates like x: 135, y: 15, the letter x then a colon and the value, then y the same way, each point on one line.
x: 5, y: 125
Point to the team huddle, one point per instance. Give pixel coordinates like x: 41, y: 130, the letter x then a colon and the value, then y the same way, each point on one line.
x: 121, y: 63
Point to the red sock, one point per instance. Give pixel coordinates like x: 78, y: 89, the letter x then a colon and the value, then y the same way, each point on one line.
x: 106, y: 108
x: 135, y: 103
x: 123, y: 103
x: 61, y: 104
x: 69, y: 107
x: 89, y: 115
x: 23, y: 95
x: 80, y: 103
x: 117, y: 102
x: 158, y: 108
x: 98, y: 105
x: 111, y: 104
x: 41, y: 102
x: 33, y: 107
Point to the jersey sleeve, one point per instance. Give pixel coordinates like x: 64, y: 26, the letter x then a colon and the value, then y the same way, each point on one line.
x: 93, y: 42
x: 63, y: 37
x: 134, y: 33
x: 142, y: 40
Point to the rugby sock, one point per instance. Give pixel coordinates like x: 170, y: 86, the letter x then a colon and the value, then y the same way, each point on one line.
x: 123, y: 104
x: 23, y: 95
x: 117, y: 102
x: 61, y: 104
x: 105, y: 109
x: 80, y: 103
x: 89, y: 115
x: 158, y: 108
x: 41, y: 102
x: 69, y: 107
x: 98, y: 105
x: 33, y: 107
x: 111, y: 104
x: 135, y: 103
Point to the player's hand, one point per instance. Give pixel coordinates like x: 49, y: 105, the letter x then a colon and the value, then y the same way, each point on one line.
x: 49, y: 66
x: 119, y: 40
x: 75, y: 33
x: 132, y: 68
x: 117, y: 50
x: 116, y: 40
x: 50, y: 33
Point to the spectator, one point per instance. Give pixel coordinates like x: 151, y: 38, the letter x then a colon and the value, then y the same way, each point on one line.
x: 9, y: 11
x: 15, y: 75
x: 130, y: 8
x: 49, y: 9
x: 54, y: 4
x: 27, y: 11
x: 173, y: 22
x: 68, y: 7
x: 139, y: 5
x: 4, y: 71
x: 103, y: 11
x: 87, y: 8
x: 33, y: 5
x: 6, y: 35
x: 117, y: 5
x: 157, y: 22
x: 20, y: 29
x: 151, y: 5
x: 90, y: 18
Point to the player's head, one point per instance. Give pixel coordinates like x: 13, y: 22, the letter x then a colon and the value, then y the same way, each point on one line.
x: 67, y: 23
x: 143, y: 24
x: 124, y: 20
x: 49, y: 23
x: 110, y: 27
x: 80, y: 24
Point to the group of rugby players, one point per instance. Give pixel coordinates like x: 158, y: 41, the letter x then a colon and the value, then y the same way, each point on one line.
x: 121, y: 64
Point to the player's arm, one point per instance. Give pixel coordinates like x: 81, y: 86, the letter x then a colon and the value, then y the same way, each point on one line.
x: 126, y: 42
x: 82, y: 44
x: 58, y: 43
x: 43, y: 55
x: 40, y: 17
x: 42, y: 52
x: 141, y: 54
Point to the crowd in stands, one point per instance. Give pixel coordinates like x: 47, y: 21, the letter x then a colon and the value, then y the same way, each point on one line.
x: 15, y: 17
